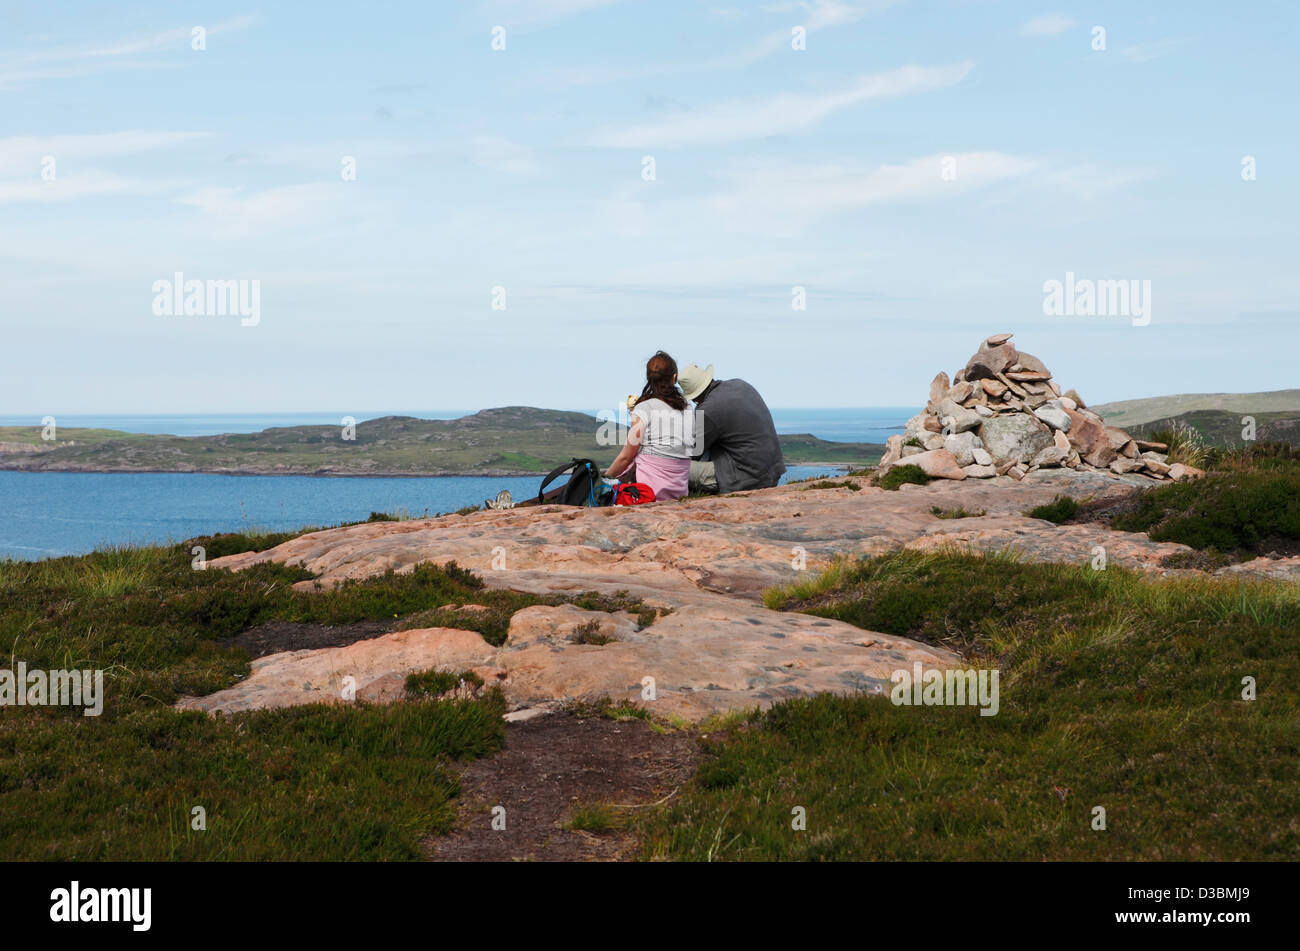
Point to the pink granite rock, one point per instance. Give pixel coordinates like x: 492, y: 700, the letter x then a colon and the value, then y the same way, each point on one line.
x: 373, y: 669
x: 1183, y: 473
x: 937, y: 463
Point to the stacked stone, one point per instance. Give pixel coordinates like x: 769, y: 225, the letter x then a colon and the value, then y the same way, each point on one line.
x: 1003, y: 414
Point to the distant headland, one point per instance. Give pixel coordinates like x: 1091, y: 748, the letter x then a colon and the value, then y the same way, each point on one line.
x: 505, y: 441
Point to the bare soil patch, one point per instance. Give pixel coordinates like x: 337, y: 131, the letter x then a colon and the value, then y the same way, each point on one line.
x: 552, y: 764
x: 1107, y: 509
x: 276, y: 636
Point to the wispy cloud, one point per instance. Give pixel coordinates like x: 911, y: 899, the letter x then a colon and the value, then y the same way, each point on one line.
x: 76, y: 61
x: 812, y: 15
x: 755, y: 198
x: 1090, y: 181
x: 11, y: 78
x: 530, y: 13
x: 741, y: 119
x: 306, y: 208
x: 76, y: 176
x: 88, y: 183
x: 1145, y: 52
x: 22, y: 154
x: 767, y: 189
x: 1052, y: 24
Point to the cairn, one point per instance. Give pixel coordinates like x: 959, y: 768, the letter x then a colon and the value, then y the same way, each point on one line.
x: 1004, y: 415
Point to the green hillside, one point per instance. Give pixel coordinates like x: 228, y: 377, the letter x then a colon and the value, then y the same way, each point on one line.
x: 1224, y: 429
x: 1129, y: 413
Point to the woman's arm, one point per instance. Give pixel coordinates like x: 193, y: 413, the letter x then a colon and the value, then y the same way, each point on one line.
x: 629, y: 450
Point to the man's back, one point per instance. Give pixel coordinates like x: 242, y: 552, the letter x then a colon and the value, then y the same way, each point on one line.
x: 739, y: 437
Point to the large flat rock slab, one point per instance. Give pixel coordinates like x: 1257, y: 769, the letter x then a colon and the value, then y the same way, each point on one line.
x: 707, y: 560
x: 373, y: 670
x: 714, y: 657
x: 1279, y: 569
x: 697, y: 661
x: 737, y: 545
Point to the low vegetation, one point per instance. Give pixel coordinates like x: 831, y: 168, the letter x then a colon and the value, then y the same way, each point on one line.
x: 958, y: 512
x: 434, y: 684
x: 1060, y: 510
x: 590, y: 633
x: 1118, y: 690
x: 829, y: 484
x: 1185, y: 443
x: 903, y: 475
x: 319, y: 782
x: 1247, y: 505
x: 1252, y: 512
x: 1260, y: 456
x: 1196, y: 560
x: 1221, y: 429
x: 594, y: 818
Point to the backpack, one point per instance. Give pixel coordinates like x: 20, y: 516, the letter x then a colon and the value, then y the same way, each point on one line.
x: 582, y: 488
x: 634, y: 493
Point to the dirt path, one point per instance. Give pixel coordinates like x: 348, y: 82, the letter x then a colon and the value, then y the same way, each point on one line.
x: 549, y: 765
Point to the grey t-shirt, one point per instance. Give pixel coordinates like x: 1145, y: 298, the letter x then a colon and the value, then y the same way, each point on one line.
x: 668, y: 432
x: 739, y: 437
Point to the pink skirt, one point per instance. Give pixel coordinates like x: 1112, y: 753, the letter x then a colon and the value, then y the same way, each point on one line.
x: 668, y: 477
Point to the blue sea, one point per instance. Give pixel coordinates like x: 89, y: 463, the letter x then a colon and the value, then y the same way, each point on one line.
x: 48, y: 514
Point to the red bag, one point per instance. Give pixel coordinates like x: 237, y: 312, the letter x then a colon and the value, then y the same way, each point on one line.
x: 634, y: 493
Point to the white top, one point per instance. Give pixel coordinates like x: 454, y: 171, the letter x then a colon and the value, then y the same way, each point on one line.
x: 668, y: 432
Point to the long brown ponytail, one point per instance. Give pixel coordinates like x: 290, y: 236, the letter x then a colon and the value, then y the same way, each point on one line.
x: 659, y: 372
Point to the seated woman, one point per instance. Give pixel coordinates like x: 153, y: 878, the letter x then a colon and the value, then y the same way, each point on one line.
x: 662, y: 436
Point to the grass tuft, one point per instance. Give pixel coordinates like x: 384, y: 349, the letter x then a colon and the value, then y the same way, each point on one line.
x: 958, y: 512
x: 1185, y: 444
x: 590, y: 633
x: 594, y: 817
x: 1060, y: 510
x: 434, y: 684
x: 900, y: 475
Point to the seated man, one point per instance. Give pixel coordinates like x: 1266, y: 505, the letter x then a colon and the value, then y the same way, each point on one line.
x: 737, y: 447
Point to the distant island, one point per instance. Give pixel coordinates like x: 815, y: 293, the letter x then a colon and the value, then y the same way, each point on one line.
x: 506, y: 441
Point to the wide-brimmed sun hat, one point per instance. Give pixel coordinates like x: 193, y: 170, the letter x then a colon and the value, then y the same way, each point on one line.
x: 693, y: 380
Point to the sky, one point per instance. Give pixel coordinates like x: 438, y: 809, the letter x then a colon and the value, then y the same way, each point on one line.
x: 494, y: 203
